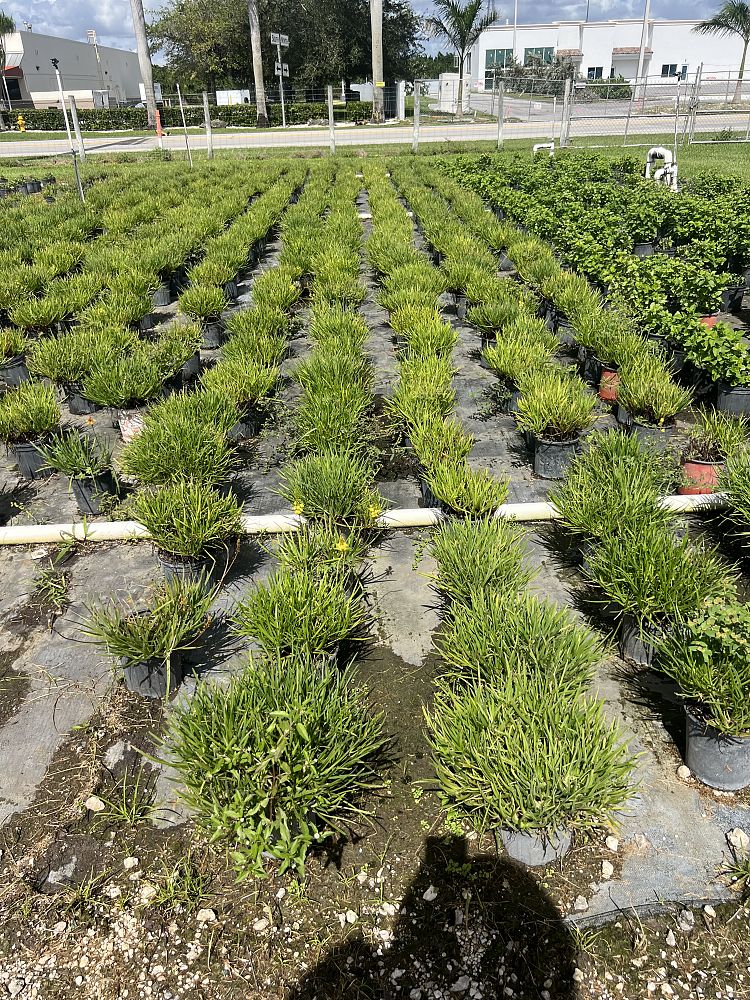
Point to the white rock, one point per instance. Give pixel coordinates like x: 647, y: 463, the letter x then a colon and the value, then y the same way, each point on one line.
x: 59, y: 928
x: 387, y: 910
x: 577, y: 976
x: 15, y: 986
x: 94, y: 804
x: 581, y: 904
x: 709, y: 911
x: 430, y: 893
x: 281, y: 893
x: 129, y: 863
x: 608, y: 870
x: 351, y: 917
x: 260, y: 924
x: 461, y: 985
x: 415, y: 995
x: 686, y: 920
x: 739, y: 840
x: 147, y: 892
x: 613, y: 844
x: 670, y: 938
x: 206, y: 916
x: 684, y: 773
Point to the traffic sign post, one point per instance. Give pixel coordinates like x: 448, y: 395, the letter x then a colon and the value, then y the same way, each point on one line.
x: 281, y: 69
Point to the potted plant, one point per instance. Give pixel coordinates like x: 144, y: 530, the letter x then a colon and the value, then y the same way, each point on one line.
x: 722, y: 354
x: 709, y: 659
x: 457, y: 489
x: 713, y: 438
x: 147, y: 644
x: 13, y: 368
x: 28, y: 415
x: 652, y: 580
x: 87, y: 462
x: 124, y: 384
x: 333, y: 486
x: 190, y: 524
x: 526, y: 346
x: 247, y: 386
x: 205, y: 304
x: 554, y: 410
x: 649, y: 400
x: 491, y: 317
x: 177, y: 350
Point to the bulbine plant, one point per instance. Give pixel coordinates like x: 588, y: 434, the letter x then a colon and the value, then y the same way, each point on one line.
x: 28, y: 413
x: 187, y: 519
x: 278, y: 761
x: 203, y: 302
x: 77, y: 455
x: 334, y: 486
x: 554, y: 405
x: 465, y: 491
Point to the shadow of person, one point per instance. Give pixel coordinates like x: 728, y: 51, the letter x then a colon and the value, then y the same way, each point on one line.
x: 477, y: 927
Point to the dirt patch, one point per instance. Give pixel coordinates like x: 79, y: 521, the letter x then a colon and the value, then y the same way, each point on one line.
x: 14, y: 686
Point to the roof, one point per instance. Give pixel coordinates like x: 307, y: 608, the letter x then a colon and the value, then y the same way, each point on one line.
x: 631, y: 50
x: 569, y: 53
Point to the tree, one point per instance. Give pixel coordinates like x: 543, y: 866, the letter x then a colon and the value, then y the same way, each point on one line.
x: 256, y: 44
x: 460, y: 26
x: 376, y: 28
x: 731, y: 19
x: 7, y: 27
x: 424, y: 67
x: 144, y: 59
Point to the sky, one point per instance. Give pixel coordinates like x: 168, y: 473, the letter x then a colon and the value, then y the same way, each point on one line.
x: 113, y: 24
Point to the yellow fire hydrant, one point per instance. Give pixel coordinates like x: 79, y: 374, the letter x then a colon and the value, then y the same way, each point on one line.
x: 21, y: 122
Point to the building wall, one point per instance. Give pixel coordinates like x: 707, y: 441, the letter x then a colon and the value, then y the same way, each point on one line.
x: 117, y: 72
x: 671, y: 42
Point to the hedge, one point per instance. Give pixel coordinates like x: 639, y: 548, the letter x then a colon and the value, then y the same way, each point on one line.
x: 113, y: 119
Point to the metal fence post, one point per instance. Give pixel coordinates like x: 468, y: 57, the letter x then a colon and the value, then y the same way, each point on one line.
x: 209, y: 132
x: 500, y: 114
x: 417, y: 111
x: 77, y: 127
x: 184, y: 126
x: 331, y: 123
x: 565, y: 119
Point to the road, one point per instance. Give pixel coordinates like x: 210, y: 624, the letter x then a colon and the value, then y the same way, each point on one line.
x: 590, y: 125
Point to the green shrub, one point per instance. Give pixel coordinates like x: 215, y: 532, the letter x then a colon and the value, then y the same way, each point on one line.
x: 554, y: 405
x: 187, y: 519
x: 125, y: 382
x: 648, y: 393
x: 12, y: 344
x: 203, y: 302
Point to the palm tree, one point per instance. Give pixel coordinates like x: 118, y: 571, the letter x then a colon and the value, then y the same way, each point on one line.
x: 731, y: 19
x: 255, y: 43
x: 144, y: 59
x: 460, y: 26
x: 7, y: 27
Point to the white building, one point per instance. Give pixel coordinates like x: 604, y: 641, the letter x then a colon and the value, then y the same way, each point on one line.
x: 96, y: 75
x: 600, y: 49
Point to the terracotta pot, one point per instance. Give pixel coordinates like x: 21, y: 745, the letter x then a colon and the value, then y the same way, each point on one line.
x: 703, y: 477
x: 710, y: 321
x: 608, y: 386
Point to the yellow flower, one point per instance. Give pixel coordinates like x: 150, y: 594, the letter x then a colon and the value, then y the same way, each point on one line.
x: 298, y: 507
x: 342, y: 545
x: 373, y: 511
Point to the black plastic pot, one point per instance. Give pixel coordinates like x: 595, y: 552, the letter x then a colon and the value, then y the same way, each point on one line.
x: 231, y: 291
x: 188, y: 570
x: 247, y: 426
x: 79, y: 405
x: 177, y: 282
x: 213, y: 334
x: 552, y: 458
x: 637, y: 643
x: 733, y: 399
x: 659, y: 438
x: 146, y: 323
x: 731, y: 298
x: 162, y: 296
x: 643, y: 249
x: 191, y: 368
x: 459, y: 303
x: 589, y: 366
x: 90, y: 493
x: 14, y: 371
x: 30, y: 461
x: 506, y: 264
x: 715, y: 759
x: 153, y: 678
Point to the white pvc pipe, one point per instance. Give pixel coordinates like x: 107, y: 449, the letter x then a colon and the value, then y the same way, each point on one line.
x: 405, y: 517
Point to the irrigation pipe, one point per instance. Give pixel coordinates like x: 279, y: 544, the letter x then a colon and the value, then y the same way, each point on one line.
x: 414, y: 517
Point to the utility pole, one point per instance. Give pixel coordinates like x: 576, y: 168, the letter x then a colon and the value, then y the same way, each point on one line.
x: 378, y: 83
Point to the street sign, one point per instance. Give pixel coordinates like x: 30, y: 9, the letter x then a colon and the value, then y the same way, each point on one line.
x: 281, y: 69
x: 275, y: 38
x: 285, y: 67
x: 284, y: 41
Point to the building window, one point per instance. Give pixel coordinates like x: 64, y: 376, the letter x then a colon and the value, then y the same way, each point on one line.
x: 14, y: 89
x: 595, y: 72
x: 669, y: 69
x: 495, y: 59
x: 539, y: 54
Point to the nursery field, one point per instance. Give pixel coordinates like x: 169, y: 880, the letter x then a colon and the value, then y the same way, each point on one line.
x: 373, y: 580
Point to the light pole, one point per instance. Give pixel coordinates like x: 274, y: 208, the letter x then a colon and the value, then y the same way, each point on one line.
x: 515, y: 27
x: 642, y: 50
x: 56, y: 64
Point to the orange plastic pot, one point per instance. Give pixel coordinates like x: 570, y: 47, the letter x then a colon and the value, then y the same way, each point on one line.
x: 608, y: 386
x: 701, y: 477
x: 710, y: 321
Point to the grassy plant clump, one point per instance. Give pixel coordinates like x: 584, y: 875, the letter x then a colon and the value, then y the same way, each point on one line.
x: 646, y: 572
x: 435, y: 440
x: 203, y: 302
x: 276, y: 290
x: 323, y: 548
x: 716, y: 436
x: 125, y: 382
x: 12, y: 344
x: 177, y: 343
x: 334, y: 486
x: 28, y: 412
x: 514, y: 755
x: 466, y: 491
x: 278, y: 760
x: 518, y: 354
x: 332, y: 419
x: 306, y: 612
x: 648, y: 393
x: 241, y: 381
x: 176, y: 615
x: 478, y: 556
x: 188, y: 519
x: 709, y: 658
x: 555, y: 405
x: 77, y: 455
x: 335, y: 323
x: 424, y: 391
x: 495, y: 633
